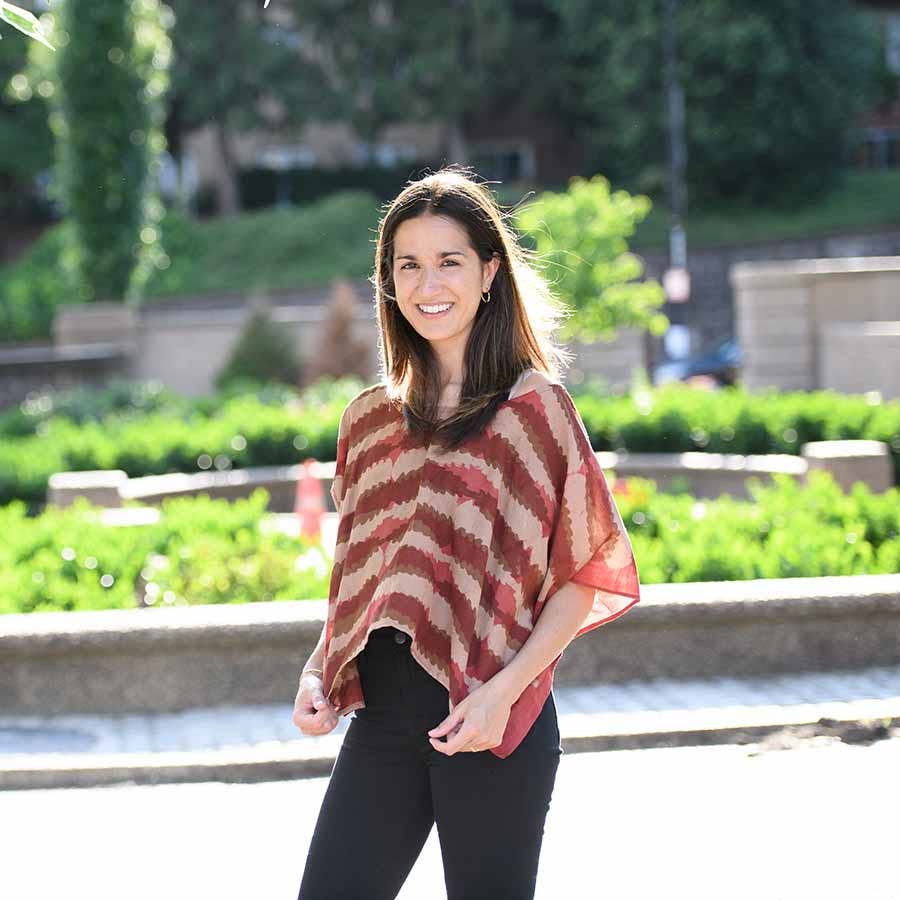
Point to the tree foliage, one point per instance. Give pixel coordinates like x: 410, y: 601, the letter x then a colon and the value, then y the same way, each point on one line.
x: 238, y: 67
x: 581, y: 235
x: 23, y: 20
x: 404, y: 60
x: 264, y: 352
x: 771, y: 90
x: 23, y: 123
x: 110, y: 77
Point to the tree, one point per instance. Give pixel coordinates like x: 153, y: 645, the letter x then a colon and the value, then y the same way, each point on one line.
x: 338, y: 351
x: 110, y: 77
x: 581, y: 235
x: 403, y: 60
x: 263, y: 352
x: 772, y: 89
x: 23, y: 123
x: 237, y: 68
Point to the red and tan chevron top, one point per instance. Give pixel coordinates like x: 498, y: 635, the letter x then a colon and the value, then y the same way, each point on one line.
x: 461, y: 549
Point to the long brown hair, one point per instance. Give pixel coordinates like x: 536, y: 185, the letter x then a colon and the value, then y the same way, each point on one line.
x: 511, y: 333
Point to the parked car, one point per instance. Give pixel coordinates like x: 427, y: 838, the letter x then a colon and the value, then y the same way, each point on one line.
x: 722, y: 364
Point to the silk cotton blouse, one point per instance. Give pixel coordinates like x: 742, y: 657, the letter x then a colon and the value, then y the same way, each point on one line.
x: 462, y: 549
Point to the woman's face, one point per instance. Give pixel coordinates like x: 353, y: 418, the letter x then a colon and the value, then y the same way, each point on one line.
x: 436, y: 267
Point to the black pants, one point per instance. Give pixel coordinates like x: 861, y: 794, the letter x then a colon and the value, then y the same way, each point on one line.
x: 389, y: 786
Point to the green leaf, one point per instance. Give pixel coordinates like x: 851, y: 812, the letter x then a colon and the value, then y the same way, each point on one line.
x: 24, y: 21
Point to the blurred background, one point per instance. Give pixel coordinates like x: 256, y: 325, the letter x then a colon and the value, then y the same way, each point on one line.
x: 237, y: 151
x: 189, y: 200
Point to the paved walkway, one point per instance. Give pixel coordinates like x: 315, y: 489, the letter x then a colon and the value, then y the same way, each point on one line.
x: 604, y: 716
x: 817, y: 822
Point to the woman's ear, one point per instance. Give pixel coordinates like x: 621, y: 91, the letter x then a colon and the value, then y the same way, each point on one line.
x: 491, y: 268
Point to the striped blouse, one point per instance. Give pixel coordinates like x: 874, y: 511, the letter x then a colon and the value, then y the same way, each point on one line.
x: 461, y: 549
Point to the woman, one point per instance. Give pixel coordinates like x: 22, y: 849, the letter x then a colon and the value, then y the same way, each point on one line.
x: 477, y: 537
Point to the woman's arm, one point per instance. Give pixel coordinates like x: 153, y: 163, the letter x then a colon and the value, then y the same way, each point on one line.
x: 317, y: 657
x: 563, y: 614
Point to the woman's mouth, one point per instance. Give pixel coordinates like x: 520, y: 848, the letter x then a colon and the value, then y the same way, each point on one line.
x: 433, y: 310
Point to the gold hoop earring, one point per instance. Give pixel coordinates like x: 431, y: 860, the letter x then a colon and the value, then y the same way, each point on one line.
x: 488, y: 298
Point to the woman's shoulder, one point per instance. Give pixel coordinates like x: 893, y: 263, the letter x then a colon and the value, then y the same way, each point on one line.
x: 533, y: 380
x: 366, y: 401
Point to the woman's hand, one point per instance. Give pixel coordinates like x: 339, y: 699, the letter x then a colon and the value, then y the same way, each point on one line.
x: 313, y: 712
x: 476, y: 723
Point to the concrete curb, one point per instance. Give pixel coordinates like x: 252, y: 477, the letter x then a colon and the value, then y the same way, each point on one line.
x: 298, y: 759
x: 157, y: 660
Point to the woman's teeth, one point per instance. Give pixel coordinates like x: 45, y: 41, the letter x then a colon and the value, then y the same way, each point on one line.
x: 434, y: 310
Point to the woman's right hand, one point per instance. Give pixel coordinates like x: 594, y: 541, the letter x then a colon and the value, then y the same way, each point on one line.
x: 313, y: 712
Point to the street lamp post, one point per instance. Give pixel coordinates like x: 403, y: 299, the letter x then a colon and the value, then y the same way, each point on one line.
x: 677, y: 279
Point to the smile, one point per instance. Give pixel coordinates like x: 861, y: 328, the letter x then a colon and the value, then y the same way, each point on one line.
x: 434, y: 311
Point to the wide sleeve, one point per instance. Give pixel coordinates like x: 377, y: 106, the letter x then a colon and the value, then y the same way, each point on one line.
x: 588, y: 543
x: 343, y: 442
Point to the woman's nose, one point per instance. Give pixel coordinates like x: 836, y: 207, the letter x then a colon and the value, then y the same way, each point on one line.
x: 430, y: 282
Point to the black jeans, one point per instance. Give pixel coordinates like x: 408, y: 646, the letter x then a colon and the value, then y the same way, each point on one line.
x: 389, y: 786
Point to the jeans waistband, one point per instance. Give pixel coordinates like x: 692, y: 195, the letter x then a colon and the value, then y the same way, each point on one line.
x: 388, y: 632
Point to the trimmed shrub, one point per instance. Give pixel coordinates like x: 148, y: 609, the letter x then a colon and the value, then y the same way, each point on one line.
x: 214, y: 551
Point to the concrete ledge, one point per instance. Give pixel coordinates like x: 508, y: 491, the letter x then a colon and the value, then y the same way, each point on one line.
x: 112, y: 488
x: 794, y: 271
x: 157, y: 660
x: 314, y: 758
x: 706, y: 475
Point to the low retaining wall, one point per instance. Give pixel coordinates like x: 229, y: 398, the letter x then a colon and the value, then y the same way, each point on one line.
x: 705, y: 475
x: 169, y: 659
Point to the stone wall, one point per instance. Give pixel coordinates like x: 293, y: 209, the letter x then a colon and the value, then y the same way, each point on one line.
x: 711, y: 310
x: 185, y: 348
x: 30, y: 369
x: 820, y: 323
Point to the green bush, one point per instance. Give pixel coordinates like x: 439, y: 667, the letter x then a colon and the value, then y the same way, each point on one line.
x: 676, y: 418
x: 277, y: 426
x: 264, y: 352
x: 201, y: 551
x: 213, y: 551
x: 786, y: 530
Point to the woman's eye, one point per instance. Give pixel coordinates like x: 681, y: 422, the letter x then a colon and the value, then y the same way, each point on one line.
x: 452, y: 262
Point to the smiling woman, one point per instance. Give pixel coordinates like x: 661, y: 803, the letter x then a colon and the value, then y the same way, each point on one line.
x: 439, y: 290
x: 477, y: 538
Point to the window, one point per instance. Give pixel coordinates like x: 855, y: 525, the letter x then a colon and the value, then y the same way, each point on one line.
x: 879, y: 148
x: 503, y: 160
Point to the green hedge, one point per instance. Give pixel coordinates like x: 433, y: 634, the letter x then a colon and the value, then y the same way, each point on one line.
x: 786, y: 530
x: 201, y: 551
x: 676, y: 418
x: 273, y: 425
x: 213, y: 551
x: 279, y: 427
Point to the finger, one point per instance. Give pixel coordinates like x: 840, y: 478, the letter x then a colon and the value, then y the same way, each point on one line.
x: 454, y: 744
x: 448, y: 724
x: 317, y: 724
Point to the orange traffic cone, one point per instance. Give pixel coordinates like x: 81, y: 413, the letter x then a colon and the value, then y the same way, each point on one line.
x: 309, y: 501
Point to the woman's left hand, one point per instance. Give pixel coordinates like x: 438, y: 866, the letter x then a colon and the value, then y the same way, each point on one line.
x: 476, y: 723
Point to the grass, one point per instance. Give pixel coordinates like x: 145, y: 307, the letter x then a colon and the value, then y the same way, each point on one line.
x: 865, y: 201
x: 270, y: 249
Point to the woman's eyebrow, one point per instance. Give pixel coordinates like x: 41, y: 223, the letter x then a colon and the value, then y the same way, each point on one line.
x: 442, y: 254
